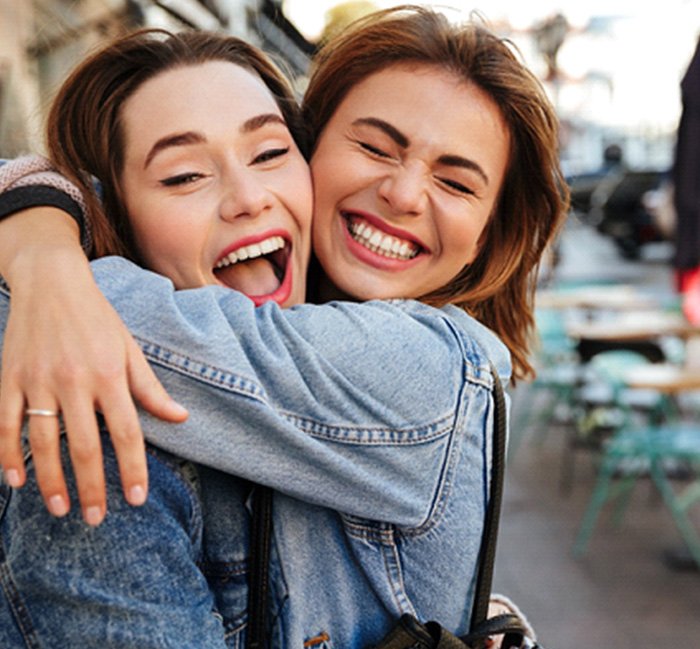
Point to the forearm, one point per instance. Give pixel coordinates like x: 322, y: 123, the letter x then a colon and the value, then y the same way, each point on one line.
x: 350, y: 406
x: 37, y: 244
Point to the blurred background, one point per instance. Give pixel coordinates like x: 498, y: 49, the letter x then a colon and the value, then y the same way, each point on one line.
x: 612, y: 66
x: 600, y: 536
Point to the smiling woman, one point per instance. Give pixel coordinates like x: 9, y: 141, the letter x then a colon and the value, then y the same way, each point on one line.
x: 408, y: 171
x: 216, y: 189
x: 435, y: 176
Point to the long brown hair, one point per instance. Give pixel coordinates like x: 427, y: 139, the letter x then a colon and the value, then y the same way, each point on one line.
x: 498, y: 286
x: 84, y: 130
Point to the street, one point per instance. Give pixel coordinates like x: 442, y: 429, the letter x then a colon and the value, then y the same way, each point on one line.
x: 620, y: 593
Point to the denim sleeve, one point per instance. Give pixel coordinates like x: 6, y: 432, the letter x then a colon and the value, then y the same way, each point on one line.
x: 356, y: 407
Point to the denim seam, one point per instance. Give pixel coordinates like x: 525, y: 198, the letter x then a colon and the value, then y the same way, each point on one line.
x: 344, y: 434
x: 451, y: 466
x: 373, y: 436
x: 392, y: 563
x: 223, y: 569
x: 200, y: 370
x: 21, y: 614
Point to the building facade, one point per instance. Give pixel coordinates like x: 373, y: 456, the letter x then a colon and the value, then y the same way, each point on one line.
x: 41, y: 40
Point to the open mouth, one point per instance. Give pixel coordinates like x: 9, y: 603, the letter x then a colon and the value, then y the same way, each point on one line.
x: 259, y: 270
x: 379, y: 242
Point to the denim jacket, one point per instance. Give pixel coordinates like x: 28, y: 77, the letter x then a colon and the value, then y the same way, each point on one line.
x: 371, y: 421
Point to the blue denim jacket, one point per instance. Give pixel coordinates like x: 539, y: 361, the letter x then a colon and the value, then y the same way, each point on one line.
x: 371, y: 421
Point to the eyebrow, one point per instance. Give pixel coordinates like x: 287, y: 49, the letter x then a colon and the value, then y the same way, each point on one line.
x: 465, y: 163
x: 390, y: 130
x: 402, y: 140
x: 193, y: 137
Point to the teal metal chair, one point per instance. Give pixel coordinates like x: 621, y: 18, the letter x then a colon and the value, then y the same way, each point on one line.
x: 605, y: 405
x: 647, y: 451
x: 553, y: 390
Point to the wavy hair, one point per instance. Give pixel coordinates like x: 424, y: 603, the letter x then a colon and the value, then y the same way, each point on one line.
x: 85, y: 136
x: 498, y: 286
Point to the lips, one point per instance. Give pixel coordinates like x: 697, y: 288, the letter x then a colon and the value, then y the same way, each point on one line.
x: 373, y: 236
x: 258, y: 267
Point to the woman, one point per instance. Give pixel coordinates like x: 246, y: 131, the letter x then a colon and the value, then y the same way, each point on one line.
x: 426, y: 512
x: 152, y: 576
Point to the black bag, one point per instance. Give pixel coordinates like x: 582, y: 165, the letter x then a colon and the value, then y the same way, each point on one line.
x: 408, y: 633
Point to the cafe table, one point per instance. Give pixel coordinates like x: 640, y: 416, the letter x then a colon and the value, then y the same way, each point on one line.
x: 616, y: 297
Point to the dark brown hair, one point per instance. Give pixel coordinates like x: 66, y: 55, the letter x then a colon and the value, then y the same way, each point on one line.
x: 84, y: 131
x: 498, y: 287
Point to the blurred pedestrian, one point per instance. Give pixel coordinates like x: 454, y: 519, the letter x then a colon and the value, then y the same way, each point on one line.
x: 686, y: 179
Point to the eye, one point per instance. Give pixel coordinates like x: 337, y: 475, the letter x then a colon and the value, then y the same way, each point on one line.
x: 373, y: 150
x: 181, y: 179
x: 270, y: 154
x: 458, y: 187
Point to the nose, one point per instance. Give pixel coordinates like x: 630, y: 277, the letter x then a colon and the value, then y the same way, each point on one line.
x: 405, y: 190
x: 244, y: 195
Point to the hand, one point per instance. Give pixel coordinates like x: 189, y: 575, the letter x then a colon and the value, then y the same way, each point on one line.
x: 66, y: 349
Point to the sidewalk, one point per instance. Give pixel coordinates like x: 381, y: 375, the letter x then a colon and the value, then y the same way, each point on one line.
x: 620, y: 594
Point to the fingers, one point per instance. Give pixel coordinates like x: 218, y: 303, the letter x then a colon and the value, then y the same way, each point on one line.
x: 11, y: 418
x: 147, y: 389
x: 85, y: 450
x: 45, y: 440
x: 129, y: 446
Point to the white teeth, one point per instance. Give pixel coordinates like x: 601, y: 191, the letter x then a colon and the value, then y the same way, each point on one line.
x: 252, y: 251
x: 380, y: 243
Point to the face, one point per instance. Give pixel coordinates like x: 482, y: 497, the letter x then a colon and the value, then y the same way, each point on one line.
x: 215, y: 188
x: 406, y: 174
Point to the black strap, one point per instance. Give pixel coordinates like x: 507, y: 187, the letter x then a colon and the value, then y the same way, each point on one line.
x: 261, y: 533
x: 258, y: 563
x: 487, y: 553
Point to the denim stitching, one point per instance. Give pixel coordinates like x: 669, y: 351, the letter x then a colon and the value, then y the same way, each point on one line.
x: 21, y: 614
x: 392, y: 563
x: 372, y: 435
x: 201, y: 371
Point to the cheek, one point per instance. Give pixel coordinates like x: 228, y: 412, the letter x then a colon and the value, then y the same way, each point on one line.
x: 462, y: 239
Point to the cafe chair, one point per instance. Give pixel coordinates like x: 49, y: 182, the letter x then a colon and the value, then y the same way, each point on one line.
x: 605, y: 405
x: 550, y: 398
x: 656, y: 451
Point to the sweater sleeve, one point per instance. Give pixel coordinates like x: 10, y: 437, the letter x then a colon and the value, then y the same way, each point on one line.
x: 30, y: 181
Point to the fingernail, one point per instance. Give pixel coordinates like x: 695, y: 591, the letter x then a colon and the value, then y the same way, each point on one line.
x: 178, y: 409
x: 12, y: 477
x: 93, y: 515
x: 137, y: 495
x: 58, y: 505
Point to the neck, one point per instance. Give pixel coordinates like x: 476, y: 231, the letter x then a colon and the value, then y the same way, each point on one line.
x: 320, y: 289
x: 326, y: 291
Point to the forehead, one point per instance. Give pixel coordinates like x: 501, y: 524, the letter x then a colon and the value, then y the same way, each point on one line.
x: 397, y: 86
x: 206, y: 94
x: 436, y: 109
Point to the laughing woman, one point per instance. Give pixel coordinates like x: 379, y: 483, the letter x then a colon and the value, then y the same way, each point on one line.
x: 436, y: 181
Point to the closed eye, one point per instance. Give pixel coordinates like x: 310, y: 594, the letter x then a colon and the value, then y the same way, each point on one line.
x: 458, y: 187
x: 374, y: 150
x: 270, y: 154
x: 181, y: 179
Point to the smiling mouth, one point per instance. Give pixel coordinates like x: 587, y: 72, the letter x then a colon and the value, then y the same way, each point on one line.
x: 378, y: 242
x: 257, y: 269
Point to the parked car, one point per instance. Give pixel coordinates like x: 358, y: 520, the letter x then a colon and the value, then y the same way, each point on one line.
x: 618, y: 209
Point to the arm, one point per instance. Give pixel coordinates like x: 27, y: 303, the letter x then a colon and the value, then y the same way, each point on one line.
x: 363, y: 408
x: 59, y: 318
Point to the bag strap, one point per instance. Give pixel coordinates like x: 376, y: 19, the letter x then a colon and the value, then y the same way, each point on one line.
x: 258, y: 563
x: 487, y: 553
x: 261, y: 533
